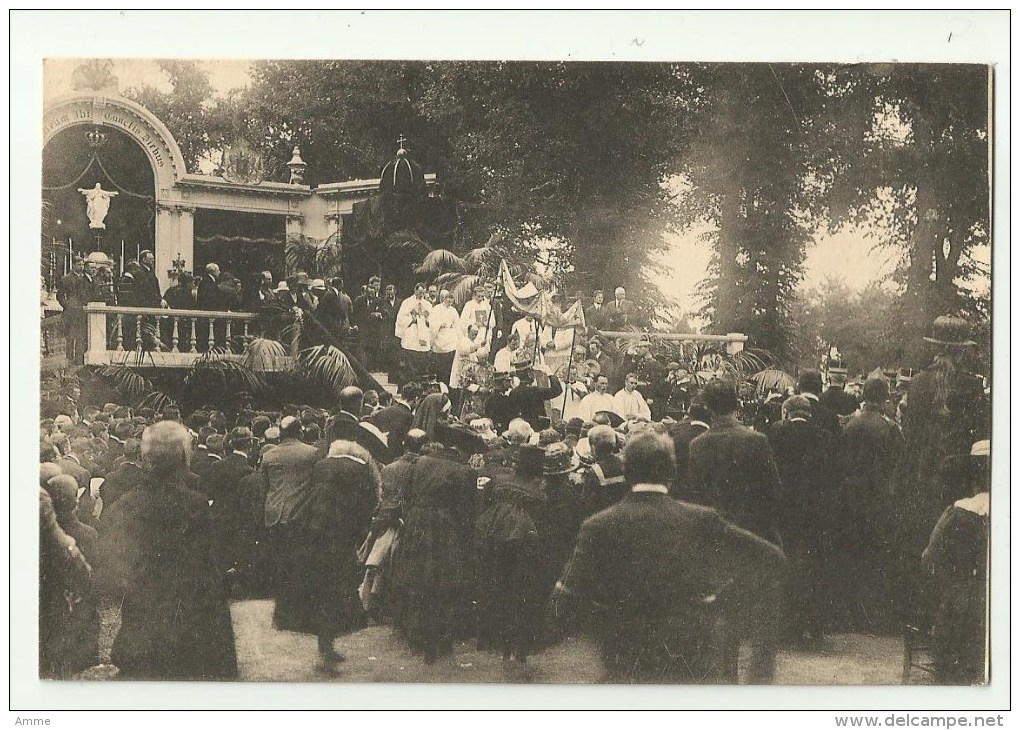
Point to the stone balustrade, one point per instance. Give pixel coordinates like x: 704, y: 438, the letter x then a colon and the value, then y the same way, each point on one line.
x: 155, y: 337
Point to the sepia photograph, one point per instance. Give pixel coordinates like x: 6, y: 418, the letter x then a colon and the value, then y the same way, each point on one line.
x: 517, y: 371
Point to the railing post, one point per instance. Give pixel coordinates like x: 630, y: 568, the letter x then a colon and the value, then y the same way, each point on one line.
x: 96, y: 313
x: 174, y: 336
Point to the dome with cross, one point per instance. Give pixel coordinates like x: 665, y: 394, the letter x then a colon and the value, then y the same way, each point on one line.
x: 402, y: 175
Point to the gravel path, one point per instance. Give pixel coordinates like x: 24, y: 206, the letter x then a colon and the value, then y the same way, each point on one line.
x: 376, y: 655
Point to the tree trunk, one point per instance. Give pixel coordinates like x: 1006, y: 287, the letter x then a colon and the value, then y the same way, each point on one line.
x: 730, y: 229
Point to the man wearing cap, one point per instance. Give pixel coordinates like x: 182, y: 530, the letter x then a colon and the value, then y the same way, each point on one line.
x: 870, y: 449
x: 412, y: 327
x: 656, y: 616
x: 806, y: 508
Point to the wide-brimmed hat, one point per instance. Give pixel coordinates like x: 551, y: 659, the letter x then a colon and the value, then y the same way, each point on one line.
x: 282, y: 286
x: 457, y: 435
x: 950, y: 332
x: 100, y: 258
x: 560, y: 459
x: 615, y: 419
x: 981, y: 448
x: 317, y: 284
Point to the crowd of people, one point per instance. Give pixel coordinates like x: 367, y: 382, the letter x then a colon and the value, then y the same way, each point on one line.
x: 505, y: 495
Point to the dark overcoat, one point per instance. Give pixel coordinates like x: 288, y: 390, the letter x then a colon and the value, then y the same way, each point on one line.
x: 732, y: 469
x: 157, y: 550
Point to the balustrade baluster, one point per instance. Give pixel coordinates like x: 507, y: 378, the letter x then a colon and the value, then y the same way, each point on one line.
x: 139, y: 340
x: 193, y: 326
x: 120, y: 333
x: 212, y: 334
x: 245, y: 331
x: 227, y: 343
x: 174, y: 336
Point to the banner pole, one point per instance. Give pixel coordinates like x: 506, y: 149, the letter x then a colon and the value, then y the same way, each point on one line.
x: 566, y: 385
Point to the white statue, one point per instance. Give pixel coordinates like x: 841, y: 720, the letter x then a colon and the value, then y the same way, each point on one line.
x: 98, y: 204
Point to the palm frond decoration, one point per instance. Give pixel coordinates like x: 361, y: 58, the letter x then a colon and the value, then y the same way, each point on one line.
x: 299, y: 254
x: 218, y: 364
x: 407, y: 242
x: 464, y: 288
x: 441, y: 261
x: 127, y: 380
x: 263, y: 355
x: 329, y: 366
x: 157, y: 401
x: 772, y: 379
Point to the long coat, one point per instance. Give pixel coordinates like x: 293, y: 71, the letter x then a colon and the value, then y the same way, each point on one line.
x: 157, y: 550
x: 656, y: 572
x: 222, y: 484
x: 320, y: 595
x: 125, y: 478
x: 433, y: 565
x: 732, y: 468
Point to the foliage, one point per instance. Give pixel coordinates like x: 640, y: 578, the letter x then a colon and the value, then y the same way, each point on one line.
x: 318, y: 259
x: 198, y: 122
x: 908, y: 149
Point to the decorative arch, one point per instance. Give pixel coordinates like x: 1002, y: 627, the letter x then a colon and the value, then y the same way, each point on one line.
x: 131, y: 118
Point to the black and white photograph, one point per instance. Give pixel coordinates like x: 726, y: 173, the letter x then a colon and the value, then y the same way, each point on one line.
x: 407, y: 367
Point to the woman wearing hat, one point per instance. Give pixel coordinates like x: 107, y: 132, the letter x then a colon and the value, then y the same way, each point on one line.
x: 563, y: 513
x: 513, y: 559
x: 434, y: 572
x: 957, y: 558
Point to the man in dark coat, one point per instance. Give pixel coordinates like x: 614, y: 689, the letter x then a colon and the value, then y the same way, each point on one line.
x: 805, y: 458
x: 597, y: 314
x: 809, y: 385
x: 389, y: 352
x: 395, y: 419
x: 75, y: 290
x: 683, y: 433
x: 222, y: 484
x: 528, y: 400
x: 211, y: 454
x: 334, y: 311
x: 157, y: 553
x: 870, y: 450
x: 127, y: 476
x: 732, y: 467
x: 367, y: 316
x: 346, y: 425
x: 620, y: 312
x: 208, y: 299
x: 146, y: 283
x: 656, y: 615
x: 180, y: 296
